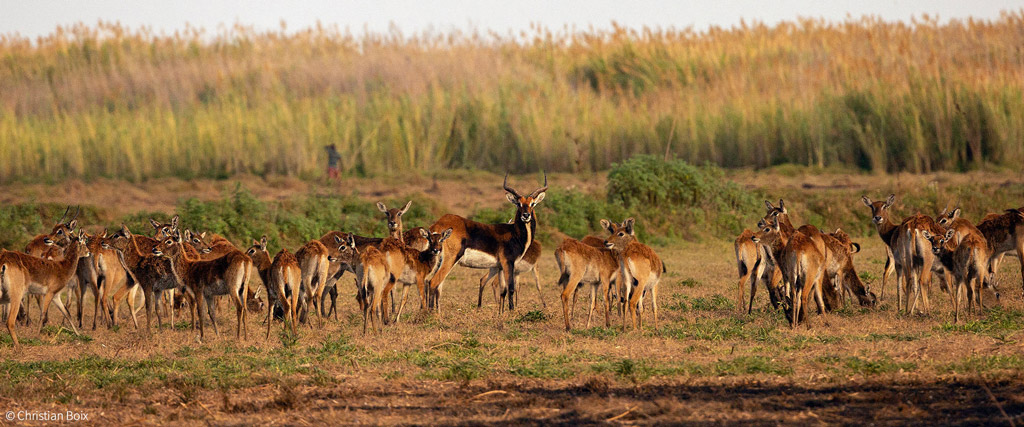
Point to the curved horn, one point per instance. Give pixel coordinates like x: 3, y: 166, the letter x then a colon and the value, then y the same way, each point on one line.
x: 507, y: 188
x: 542, y: 189
x: 78, y: 210
x: 65, y: 214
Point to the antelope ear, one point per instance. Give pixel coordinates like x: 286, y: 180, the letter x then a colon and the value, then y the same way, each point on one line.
x: 782, y: 207
x: 73, y: 224
x: 628, y: 225
x: 124, y: 229
x: 424, y: 233
x: 188, y: 234
x: 154, y: 223
x: 512, y: 199
x: 202, y: 235
x: 768, y: 205
x: 255, y: 242
x: 950, y: 233
x: 927, y: 234
x: 855, y: 247
x: 337, y: 238
x: 406, y: 208
x: 446, y: 234
x: 889, y: 201
x: 104, y: 235
x: 174, y: 221
x: 539, y: 198
x: 866, y: 200
x: 838, y: 230
x: 956, y: 213
x: 352, y: 241
x: 381, y: 207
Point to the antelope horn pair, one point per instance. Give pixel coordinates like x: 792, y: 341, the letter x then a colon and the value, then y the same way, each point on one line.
x: 533, y: 194
x: 78, y: 210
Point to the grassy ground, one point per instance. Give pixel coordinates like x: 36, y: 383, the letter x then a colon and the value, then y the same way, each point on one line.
x: 708, y: 362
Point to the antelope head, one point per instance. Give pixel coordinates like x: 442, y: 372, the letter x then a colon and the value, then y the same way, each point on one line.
x: 525, y: 204
x: 621, y: 235
x: 394, y: 216
x: 879, y: 209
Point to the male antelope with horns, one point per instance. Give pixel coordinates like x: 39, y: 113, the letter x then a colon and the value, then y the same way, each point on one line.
x: 474, y: 243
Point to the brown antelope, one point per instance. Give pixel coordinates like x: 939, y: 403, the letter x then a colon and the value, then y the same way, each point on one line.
x: 951, y: 220
x: 1004, y: 234
x: 26, y: 274
x: 488, y: 244
x: 915, y: 260
x: 112, y: 279
x: 525, y: 265
x: 314, y: 265
x: 60, y: 235
x: 880, y: 216
x: 164, y: 229
x: 228, y: 275
x: 373, y: 276
x: 580, y: 263
x: 409, y: 266
x: 639, y: 263
x: 394, y: 218
x: 282, y: 277
x: 753, y: 268
x: 968, y: 262
x: 802, y: 264
x: 840, y: 266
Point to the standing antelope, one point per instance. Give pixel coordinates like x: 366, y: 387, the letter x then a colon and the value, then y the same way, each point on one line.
x: 282, y: 277
x: 1005, y: 234
x: 373, y: 276
x: 639, y: 263
x: 526, y: 264
x: 579, y: 263
x: 752, y: 265
x: 26, y: 274
x: 802, y: 264
x: 886, y: 231
x: 476, y: 243
x: 915, y: 259
x: 968, y: 261
x: 206, y: 278
x: 60, y: 235
x: 314, y: 265
x: 410, y: 266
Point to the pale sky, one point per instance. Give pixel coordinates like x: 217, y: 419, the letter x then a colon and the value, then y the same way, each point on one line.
x: 37, y: 17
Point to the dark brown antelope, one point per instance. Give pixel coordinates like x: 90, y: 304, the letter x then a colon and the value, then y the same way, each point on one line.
x: 526, y: 264
x: 637, y: 264
x: 474, y: 243
x: 282, y: 278
x: 968, y: 262
x: 1004, y: 234
x: 25, y: 274
x: 204, y: 279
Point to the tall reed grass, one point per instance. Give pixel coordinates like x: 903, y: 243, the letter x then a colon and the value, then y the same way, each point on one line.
x: 104, y: 100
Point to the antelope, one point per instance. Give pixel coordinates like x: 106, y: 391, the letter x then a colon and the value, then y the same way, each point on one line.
x: 886, y: 231
x: 112, y: 277
x: 639, y: 263
x: 844, y: 275
x: 164, y: 229
x: 394, y: 217
x: 373, y: 276
x: 968, y: 261
x: 60, y: 235
x: 802, y: 264
x: 409, y: 266
x: 314, y: 266
x: 1004, y: 234
x: 282, y: 278
x: 206, y: 278
x: 26, y: 274
x: 751, y: 263
x: 579, y: 263
x: 951, y: 220
x: 488, y: 244
x: 916, y: 258
x: 526, y: 264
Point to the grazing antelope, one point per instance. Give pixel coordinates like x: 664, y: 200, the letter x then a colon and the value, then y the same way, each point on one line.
x: 580, y: 263
x: 26, y: 274
x: 282, y: 277
x: 637, y: 264
x: 840, y: 266
x: 1004, y: 234
x: 409, y: 266
x: 488, y: 244
x: 802, y: 264
x: 968, y: 262
x: 206, y: 278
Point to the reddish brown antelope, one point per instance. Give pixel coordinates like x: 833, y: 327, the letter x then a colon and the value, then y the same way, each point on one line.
x: 579, y: 263
x: 409, y: 266
x: 915, y: 259
x: 476, y: 243
x: 526, y: 264
x: 880, y: 216
x: 373, y: 277
x: 802, y: 264
x: 282, y: 277
x: 314, y: 265
x: 845, y: 279
x: 206, y: 278
x: 637, y: 264
x: 968, y: 261
x: 394, y: 218
x: 25, y: 274
x: 60, y: 235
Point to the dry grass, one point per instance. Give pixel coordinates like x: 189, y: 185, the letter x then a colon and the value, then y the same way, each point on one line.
x: 106, y: 101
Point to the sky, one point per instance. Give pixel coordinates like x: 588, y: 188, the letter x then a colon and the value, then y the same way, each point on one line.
x: 32, y: 18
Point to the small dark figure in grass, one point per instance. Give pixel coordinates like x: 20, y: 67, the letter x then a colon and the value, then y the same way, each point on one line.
x: 332, y: 162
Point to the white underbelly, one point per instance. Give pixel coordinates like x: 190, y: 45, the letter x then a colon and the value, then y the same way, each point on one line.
x: 473, y: 258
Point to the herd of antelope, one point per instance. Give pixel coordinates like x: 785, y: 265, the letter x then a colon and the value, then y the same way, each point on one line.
x: 178, y: 268
x: 795, y: 263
